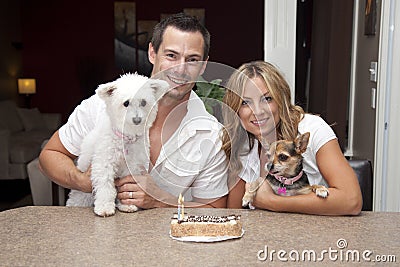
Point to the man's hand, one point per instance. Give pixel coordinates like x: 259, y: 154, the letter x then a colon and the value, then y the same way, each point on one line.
x: 141, y: 191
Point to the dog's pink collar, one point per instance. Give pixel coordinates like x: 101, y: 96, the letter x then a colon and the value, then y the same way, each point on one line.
x: 287, y: 181
x: 127, y: 138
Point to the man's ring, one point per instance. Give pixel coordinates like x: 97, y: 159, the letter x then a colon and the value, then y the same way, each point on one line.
x: 130, y: 194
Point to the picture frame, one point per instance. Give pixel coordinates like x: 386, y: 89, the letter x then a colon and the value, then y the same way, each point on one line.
x: 370, y: 18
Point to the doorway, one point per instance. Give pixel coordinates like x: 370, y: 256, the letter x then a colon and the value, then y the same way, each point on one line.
x: 323, y: 61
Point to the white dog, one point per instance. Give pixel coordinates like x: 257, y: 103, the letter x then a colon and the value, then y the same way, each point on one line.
x: 119, y: 143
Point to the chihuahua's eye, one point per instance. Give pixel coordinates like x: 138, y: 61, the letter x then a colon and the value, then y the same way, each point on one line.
x: 282, y: 157
x: 143, y: 103
x: 126, y: 103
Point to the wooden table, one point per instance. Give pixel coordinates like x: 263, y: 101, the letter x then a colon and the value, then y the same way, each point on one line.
x: 65, y: 236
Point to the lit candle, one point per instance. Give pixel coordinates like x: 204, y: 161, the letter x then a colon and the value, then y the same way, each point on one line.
x: 180, y: 207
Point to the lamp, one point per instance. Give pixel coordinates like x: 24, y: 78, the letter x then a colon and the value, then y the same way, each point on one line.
x: 27, y: 87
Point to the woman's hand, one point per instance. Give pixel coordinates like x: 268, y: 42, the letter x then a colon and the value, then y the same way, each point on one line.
x: 264, y: 196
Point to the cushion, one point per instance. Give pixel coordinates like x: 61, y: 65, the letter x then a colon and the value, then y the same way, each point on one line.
x: 25, y: 146
x: 24, y: 152
x: 9, y: 118
x: 32, y: 119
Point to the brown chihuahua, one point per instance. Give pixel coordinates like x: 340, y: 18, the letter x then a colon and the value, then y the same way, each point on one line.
x: 285, y: 171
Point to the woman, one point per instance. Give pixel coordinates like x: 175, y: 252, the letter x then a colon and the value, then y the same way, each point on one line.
x: 258, y: 110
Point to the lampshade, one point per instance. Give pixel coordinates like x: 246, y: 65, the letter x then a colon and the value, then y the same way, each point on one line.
x: 27, y: 86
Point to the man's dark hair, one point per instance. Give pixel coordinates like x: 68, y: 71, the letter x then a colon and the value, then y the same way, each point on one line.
x: 184, y: 23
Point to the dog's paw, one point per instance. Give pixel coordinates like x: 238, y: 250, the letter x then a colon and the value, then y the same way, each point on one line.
x: 105, y: 210
x: 322, y: 192
x: 247, y: 200
x: 245, y: 203
x: 127, y: 208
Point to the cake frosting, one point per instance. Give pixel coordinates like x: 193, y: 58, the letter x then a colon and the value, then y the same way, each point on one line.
x: 204, y: 225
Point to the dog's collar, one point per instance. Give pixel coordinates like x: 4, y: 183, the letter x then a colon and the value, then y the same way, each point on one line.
x: 287, y: 181
x: 129, y: 139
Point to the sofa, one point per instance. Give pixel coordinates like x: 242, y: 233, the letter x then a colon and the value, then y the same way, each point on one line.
x: 44, y: 191
x: 22, y: 132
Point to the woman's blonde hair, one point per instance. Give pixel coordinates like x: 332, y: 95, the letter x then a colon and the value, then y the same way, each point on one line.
x: 234, y: 135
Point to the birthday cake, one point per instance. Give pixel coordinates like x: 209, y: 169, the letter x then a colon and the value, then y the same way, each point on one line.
x: 192, y: 225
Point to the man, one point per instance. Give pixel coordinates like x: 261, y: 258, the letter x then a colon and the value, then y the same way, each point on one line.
x: 185, y: 150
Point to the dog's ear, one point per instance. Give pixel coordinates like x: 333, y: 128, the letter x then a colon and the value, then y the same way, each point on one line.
x: 159, y: 87
x: 264, y: 144
x: 270, y: 155
x: 104, y: 91
x: 301, y: 143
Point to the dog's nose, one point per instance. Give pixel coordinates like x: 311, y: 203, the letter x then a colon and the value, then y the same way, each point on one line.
x: 137, y: 120
x: 269, y: 166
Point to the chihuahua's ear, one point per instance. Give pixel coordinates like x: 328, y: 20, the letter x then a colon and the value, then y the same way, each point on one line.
x: 264, y: 144
x: 301, y: 143
x: 106, y: 90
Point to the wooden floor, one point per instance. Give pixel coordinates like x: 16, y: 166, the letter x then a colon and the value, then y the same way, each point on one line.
x: 15, y: 193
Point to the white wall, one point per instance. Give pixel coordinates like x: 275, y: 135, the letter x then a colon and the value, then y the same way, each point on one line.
x: 387, y: 145
x: 280, y: 37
